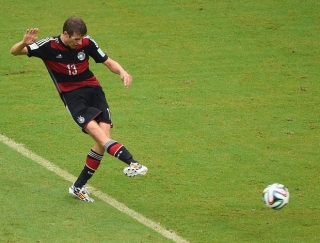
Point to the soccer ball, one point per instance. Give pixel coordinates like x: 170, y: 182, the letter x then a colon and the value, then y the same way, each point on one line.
x: 275, y: 196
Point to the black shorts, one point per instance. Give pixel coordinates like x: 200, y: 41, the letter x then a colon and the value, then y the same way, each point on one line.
x: 87, y: 104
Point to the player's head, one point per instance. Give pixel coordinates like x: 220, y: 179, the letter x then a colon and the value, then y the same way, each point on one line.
x: 75, y: 25
x: 74, y: 29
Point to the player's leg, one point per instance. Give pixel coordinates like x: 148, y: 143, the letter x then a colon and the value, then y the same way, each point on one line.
x: 96, y: 153
x: 93, y: 160
x: 101, y: 134
x: 97, y: 123
x: 119, y: 151
x: 77, y: 104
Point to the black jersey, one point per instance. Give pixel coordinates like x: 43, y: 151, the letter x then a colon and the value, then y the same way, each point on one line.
x: 68, y: 68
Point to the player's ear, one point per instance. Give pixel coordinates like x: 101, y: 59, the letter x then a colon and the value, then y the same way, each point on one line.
x: 65, y: 33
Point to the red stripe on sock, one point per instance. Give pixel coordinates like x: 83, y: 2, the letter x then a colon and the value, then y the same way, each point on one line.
x: 113, y: 150
x: 92, y: 163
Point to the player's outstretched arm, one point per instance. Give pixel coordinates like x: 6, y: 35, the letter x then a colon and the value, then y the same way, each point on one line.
x: 29, y: 38
x: 115, y: 67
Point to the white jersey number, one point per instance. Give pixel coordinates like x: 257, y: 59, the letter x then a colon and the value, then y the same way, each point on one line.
x: 72, y: 69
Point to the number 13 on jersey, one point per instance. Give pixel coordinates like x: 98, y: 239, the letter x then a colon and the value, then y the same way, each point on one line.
x: 72, y: 68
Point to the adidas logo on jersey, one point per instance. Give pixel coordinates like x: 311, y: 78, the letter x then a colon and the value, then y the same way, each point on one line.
x: 59, y: 56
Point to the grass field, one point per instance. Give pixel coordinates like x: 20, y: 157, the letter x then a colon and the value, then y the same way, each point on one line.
x: 225, y: 101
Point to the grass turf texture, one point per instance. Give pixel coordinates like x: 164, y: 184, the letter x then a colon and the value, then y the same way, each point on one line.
x: 225, y: 101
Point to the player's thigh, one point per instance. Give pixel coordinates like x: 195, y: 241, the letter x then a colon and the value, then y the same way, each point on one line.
x: 77, y: 104
x: 106, y: 127
x: 100, y: 102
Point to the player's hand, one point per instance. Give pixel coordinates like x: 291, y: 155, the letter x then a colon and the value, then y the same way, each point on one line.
x: 30, y: 36
x: 127, y: 79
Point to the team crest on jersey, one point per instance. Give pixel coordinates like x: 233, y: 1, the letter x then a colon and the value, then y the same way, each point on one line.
x: 81, y: 56
x: 80, y: 119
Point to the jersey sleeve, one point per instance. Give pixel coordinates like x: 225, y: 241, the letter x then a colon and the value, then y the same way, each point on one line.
x: 38, y: 49
x: 96, y: 53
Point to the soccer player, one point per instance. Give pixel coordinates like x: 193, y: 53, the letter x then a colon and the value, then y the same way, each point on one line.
x: 66, y: 58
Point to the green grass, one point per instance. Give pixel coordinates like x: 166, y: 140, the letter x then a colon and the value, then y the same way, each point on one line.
x: 36, y: 210
x: 225, y: 101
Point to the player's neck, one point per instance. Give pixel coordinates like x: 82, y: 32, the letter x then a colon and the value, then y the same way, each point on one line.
x: 63, y: 39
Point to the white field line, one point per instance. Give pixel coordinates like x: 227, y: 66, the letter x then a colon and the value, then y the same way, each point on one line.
x: 104, y: 197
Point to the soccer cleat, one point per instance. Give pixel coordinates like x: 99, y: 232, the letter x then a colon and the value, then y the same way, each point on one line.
x: 80, y: 193
x: 135, y: 169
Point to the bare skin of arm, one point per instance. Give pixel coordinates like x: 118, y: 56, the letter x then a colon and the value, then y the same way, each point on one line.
x: 117, y: 69
x: 29, y: 38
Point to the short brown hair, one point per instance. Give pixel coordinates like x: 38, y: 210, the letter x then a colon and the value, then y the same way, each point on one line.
x: 75, y: 25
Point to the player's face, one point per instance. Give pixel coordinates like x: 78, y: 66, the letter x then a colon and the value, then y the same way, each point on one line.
x: 74, y: 40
